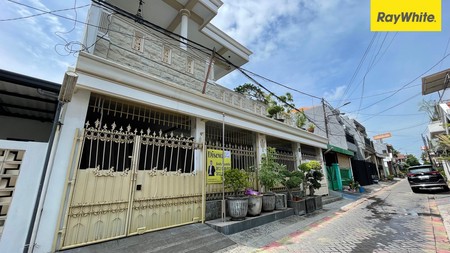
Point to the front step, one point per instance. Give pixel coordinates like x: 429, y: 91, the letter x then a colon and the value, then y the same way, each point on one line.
x: 189, y: 238
x: 230, y: 227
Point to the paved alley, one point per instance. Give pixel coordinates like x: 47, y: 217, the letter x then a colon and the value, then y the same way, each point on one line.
x: 392, y: 220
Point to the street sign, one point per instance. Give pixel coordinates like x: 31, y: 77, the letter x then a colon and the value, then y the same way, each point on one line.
x: 382, y: 136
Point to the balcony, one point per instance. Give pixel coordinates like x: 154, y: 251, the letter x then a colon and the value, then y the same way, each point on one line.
x: 130, y: 44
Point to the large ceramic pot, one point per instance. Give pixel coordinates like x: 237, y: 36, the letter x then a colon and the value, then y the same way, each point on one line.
x: 255, y: 205
x: 299, y: 206
x: 268, y: 203
x: 237, y: 207
x: 280, y: 201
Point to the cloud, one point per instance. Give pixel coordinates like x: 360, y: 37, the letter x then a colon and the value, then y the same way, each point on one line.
x: 29, y: 43
x: 336, y: 93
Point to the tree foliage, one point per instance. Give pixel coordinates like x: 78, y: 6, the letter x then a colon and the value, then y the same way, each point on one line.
x: 411, y: 160
x: 252, y: 91
x: 430, y: 107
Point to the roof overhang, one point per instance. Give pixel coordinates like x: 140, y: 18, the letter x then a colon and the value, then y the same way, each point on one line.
x: 435, y: 82
x: 27, y: 97
x: 340, y: 150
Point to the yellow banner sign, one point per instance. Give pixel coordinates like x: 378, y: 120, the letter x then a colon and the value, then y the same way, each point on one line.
x: 405, y: 15
x: 214, y: 172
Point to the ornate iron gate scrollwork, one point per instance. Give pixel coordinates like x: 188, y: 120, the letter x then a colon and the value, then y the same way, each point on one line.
x: 131, y: 182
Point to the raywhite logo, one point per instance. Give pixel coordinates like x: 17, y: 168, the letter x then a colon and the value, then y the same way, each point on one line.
x: 405, y: 17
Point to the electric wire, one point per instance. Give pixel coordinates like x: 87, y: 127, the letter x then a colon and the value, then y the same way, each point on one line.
x: 243, y: 71
x: 407, y: 84
x: 42, y: 13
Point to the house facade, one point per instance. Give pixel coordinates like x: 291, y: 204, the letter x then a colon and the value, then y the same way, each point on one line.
x: 338, y: 156
x: 131, y: 152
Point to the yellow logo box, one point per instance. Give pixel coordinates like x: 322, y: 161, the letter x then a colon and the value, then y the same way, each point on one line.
x: 405, y: 15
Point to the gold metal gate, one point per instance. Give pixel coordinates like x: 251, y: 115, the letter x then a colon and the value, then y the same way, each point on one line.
x: 129, y: 182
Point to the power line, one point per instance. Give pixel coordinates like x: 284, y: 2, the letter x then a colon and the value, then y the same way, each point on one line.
x: 404, y: 101
x: 42, y: 11
x: 355, y: 73
x: 280, y: 84
x: 407, y: 84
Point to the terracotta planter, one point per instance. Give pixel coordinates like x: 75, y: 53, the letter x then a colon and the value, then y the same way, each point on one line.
x: 237, y: 207
x: 268, y: 203
x: 254, y: 205
x: 299, y: 206
x: 280, y: 201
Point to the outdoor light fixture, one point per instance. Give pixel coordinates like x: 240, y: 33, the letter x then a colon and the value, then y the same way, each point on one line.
x: 68, y: 86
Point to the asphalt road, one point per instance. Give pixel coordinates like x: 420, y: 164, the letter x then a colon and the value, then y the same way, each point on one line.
x: 393, y: 219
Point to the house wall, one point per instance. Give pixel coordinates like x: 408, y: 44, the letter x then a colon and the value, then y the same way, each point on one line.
x: 336, y: 132
x: 24, y: 129
x: 21, y: 209
x: 74, y: 117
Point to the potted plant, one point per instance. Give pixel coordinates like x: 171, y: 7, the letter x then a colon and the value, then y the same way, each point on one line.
x: 291, y: 180
x: 311, y: 127
x: 254, y: 202
x: 236, y: 180
x: 311, y: 181
x: 280, y: 111
x: 354, y: 185
x: 269, y: 177
x: 300, y: 119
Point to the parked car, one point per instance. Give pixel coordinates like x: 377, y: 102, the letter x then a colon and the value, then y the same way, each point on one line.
x: 426, y: 177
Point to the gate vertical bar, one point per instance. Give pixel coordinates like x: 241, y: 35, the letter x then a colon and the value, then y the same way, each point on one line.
x: 133, y: 170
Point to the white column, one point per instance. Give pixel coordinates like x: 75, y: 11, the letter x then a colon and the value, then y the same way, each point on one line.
x: 184, y: 27
x: 91, y: 30
x: 261, y: 148
x: 198, y: 127
x: 74, y: 117
x: 297, y: 153
x: 324, y: 188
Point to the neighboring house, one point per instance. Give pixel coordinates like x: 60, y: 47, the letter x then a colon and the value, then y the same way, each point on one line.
x: 337, y: 155
x: 131, y: 151
x: 364, y: 165
x: 438, y: 82
x: 382, y: 158
x: 27, y: 110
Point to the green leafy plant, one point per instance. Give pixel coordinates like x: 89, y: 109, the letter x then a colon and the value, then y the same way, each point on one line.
x: 354, y: 185
x: 300, y: 119
x: 312, y: 176
x: 252, y: 91
x: 311, y: 127
x: 236, y: 180
x: 269, y: 170
x: 291, y: 180
x: 283, y: 105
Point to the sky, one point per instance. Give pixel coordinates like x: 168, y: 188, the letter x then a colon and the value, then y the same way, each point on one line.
x: 319, y: 47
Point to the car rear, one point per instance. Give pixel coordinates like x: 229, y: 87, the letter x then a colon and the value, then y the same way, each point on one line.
x: 425, y: 177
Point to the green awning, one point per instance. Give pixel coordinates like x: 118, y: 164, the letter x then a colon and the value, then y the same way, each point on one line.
x: 340, y: 150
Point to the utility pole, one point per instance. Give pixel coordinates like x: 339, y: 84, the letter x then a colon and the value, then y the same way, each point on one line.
x: 426, y: 148
x: 326, y: 120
